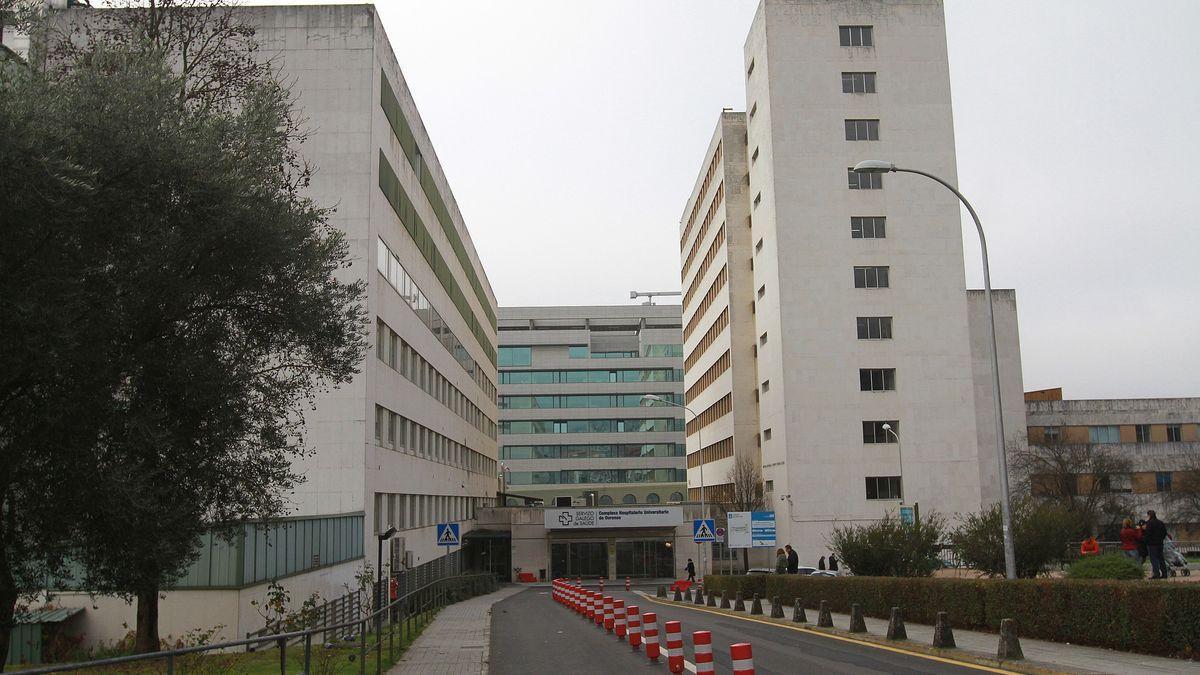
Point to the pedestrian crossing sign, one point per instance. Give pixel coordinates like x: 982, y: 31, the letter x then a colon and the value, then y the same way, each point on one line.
x: 447, y: 534
x: 703, y: 530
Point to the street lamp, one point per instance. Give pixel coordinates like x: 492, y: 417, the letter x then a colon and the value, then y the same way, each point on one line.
x: 900, y: 453
x: 652, y: 399
x: 1010, y: 557
x: 379, y: 592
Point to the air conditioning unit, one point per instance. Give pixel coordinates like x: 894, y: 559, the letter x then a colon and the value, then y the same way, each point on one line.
x: 562, y: 502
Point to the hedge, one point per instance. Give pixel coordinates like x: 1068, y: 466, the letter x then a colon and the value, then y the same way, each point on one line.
x: 1152, y: 618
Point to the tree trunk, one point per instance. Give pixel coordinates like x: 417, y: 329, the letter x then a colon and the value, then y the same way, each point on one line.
x: 146, y: 639
x: 8, y: 605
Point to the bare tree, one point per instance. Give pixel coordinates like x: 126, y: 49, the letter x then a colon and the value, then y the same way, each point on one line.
x: 1086, y: 479
x: 1184, y: 495
x: 744, y: 493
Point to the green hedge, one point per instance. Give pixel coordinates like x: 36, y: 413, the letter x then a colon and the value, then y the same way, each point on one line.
x: 1153, y: 618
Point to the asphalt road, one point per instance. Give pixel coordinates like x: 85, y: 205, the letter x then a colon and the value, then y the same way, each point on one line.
x: 533, y: 634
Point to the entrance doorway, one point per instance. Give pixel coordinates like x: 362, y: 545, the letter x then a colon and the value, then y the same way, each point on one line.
x: 489, y: 552
x: 645, y: 559
x: 579, y: 559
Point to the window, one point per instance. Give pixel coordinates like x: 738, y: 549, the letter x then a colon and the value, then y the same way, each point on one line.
x: 769, y: 486
x: 750, y: 70
x: 629, y: 499
x: 675, y: 497
x: 754, y: 157
x: 766, y: 386
x: 862, y: 130
x: 1143, y: 433
x: 653, y: 498
x: 578, y: 352
x: 873, y: 431
x: 753, y: 109
x: 762, y: 290
x: 766, y: 434
x: 1173, y: 433
x: 870, y: 277
x: 1052, y: 434
x: 868, y: 227
x: 1118, y: 482
x: 758, y: 246
x: 877, y: 379
x: 1162, y: 481
x: 856, y: 36
x: 883, y: 487
x: 858, y: 83
x: 605, y: 500
x: 757, y: 199
x: 762, y: 339
x: 874, y: 327
x: 1105, y: 434
x: 515, y: 356
x: 864, y: 181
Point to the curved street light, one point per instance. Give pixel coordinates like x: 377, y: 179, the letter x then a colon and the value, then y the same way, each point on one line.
x: 900, y: 453
x: 1010, y: 558
x: 653, y: 399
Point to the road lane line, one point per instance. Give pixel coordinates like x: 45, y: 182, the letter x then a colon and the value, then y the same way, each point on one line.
x: 691, y: 667
x: 929, y: 657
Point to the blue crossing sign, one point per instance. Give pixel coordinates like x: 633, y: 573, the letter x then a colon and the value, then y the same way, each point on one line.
x: 704, y: 530
x: 447, y: 534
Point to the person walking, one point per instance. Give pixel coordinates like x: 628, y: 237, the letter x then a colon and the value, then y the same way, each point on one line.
x: 1130, y: 536
x: 691, y: 570
x: 781, y: 561
x: 821, y: 563
x: 1089, y: 546
x: 1155, y: 533
x: 793, y: 560
x: 832, y: 563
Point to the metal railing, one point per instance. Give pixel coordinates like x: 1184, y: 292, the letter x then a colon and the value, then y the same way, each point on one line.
x: 399, y: 619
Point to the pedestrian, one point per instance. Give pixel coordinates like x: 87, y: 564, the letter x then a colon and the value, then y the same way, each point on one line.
x: 1089, y: 546
x: 691, y: 570
x: 1156, y: 532
x: 781, y: 561
x: 1143, y: 552
x: 821, y: 563
x: 832, y: 563
x: 1130, y: 536
x: 793, y: 560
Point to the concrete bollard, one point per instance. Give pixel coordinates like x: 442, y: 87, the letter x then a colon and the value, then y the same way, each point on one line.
x: 1009, y: 647
x: 798, y: 614
x: 895, y: 629
x: 857, y: 625
x: 725, y: 599
x: 687, y: 595
x: 662, y: 592
x: 756, y: 606
x: 943, y: 634
x: 700, y: 597
x: 674, y: 644
x: 742, y: 658
x: 634, y: 622
x: 739, y: 605
x: 776, y: 608
x: 650, y: 635
x: 712, y: 599
x: 702, y: 651
x: 824, y: 618
x: 678, y: 595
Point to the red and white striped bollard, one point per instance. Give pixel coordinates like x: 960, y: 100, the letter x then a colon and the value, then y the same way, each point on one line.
x: 626, y: 583
x: 674, y: 640
x: 598, y: 609
x: 608, y: 613
x: 635, y: 626
x: 742, y: 657
x: 702, y: 650
x: 650, y: 635
x: 619, y: 618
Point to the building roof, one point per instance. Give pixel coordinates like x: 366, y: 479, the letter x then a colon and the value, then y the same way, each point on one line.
x: 46, y: 615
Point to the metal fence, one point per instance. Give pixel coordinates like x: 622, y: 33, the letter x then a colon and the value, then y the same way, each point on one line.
x: 369, y: 632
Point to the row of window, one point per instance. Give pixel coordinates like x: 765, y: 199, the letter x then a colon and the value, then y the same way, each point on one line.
x: 711, y: 414
x: 709, y: 257
x: 593, y: 451
x: 714, y: 371
x: 708, y: 176
x: 596, y: 476
x: 391, y: 269
x: 719, y: 450
x: 1111, y: 433
x: 713, y: 210
x: 395, y: 352
x: 607, y: 426
x: 580, y: 401
x: 591, y: 376
x: 1142, y: 482
x: 714, y: 291
x: 396, y: 432
x: 409, y: 511
x: 719, y: 324
x: 518, y: 356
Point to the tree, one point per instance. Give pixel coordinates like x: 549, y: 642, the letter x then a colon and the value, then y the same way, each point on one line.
x: 745, y: 492
x: 1041, y: 530
x: 1082, y: 478
x: 889, y: 547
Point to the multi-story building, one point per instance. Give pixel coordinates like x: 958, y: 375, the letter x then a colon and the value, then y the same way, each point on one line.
x: 1159, y: 438
x: 411, y: 441
x: 574, y: 428
x: 869, y: 370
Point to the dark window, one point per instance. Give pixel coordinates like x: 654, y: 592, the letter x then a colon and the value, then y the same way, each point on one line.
x: 858, y: 83
x: 862, y: 130
x: 605, y: 500
x: 874, y: 328
x: 856, y: 36
x: 877, y: 379
x: 1162, y: 481
x: 864, y: 181
x: 1143, y: 433
x: 883, y: 487
x: 868, y: 227
x: 873, y: 431
x: 1173, y: 433
x: 871, y: 277
x: 1052, y: 434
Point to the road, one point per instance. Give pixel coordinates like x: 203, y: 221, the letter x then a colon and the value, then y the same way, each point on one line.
x: 533, y: 634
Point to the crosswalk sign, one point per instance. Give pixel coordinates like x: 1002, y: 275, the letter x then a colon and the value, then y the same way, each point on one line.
x: 447, y: 534
x: 703, y: 530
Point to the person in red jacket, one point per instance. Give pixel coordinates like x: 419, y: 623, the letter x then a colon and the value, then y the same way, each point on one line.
x: 1089, y: 547
x: 1130, y: 536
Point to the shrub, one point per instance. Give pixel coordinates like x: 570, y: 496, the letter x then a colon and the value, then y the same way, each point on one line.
x: 1040, y: 535
x: 890, y: 548
x: 1111, y: 566
x: 1151, y: 618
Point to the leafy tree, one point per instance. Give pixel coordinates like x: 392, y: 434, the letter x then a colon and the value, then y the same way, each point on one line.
x: 889, y: 547
x: 1041, y: 531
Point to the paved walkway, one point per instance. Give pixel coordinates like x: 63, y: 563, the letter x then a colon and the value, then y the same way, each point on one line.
x: 1066, y: 657
x: 457, y: 640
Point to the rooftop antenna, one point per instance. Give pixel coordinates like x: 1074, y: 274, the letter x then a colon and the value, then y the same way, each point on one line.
x: 650, y: 295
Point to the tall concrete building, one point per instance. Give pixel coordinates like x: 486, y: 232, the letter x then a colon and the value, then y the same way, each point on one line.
x: 573, y: 427
x: 841, y: 297
x: 411, y: 441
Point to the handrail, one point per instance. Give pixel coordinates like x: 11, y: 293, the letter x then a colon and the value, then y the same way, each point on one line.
x: 279, y: 638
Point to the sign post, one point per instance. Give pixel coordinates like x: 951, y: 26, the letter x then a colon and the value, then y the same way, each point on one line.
x: 447, y: 535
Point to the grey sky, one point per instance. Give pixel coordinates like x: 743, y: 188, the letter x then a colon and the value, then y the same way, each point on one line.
x: 572, y: 132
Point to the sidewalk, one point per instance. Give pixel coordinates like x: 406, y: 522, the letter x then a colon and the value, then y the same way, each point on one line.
x: 457, y: 640
x: 1068, y: 657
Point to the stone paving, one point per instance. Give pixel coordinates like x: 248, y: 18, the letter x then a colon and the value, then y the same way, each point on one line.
x: 457, y: 640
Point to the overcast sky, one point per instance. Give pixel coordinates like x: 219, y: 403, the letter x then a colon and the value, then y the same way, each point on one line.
x: 572, y: 132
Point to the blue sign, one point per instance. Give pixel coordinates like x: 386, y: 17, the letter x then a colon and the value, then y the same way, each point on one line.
x: 704, y: 530
x: 762, y: 529
x: 447, y: 534
x: 908, y: 515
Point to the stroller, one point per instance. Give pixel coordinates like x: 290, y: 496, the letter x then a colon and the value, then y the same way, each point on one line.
x: 1177, y: 564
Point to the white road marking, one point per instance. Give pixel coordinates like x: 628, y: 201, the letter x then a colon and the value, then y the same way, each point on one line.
x: 691, y: 667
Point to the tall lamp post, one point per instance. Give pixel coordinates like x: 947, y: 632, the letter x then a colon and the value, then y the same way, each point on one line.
x: 1010, y: 557
x: 652, y: 399
x: 900, y: 454
x: 379, y: 590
